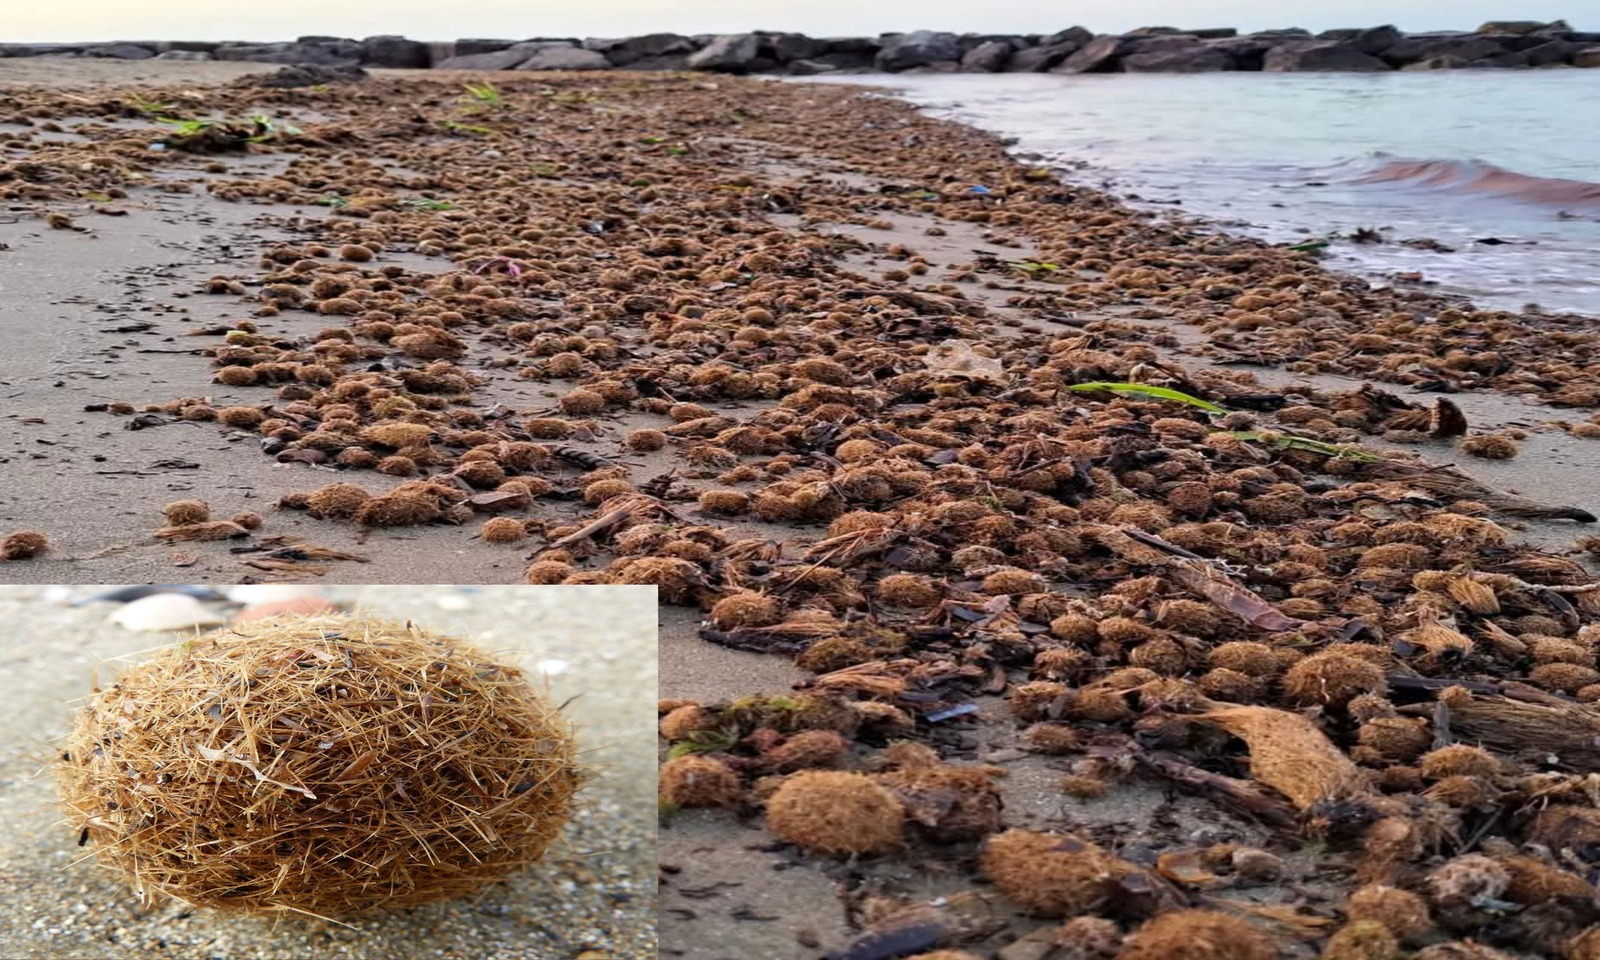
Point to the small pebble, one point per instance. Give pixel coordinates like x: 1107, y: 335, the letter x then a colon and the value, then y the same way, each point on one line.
x: 166, y: 611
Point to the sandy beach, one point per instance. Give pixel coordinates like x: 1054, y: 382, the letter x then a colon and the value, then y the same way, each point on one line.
x: 593, y: 896
x: 691, y: 333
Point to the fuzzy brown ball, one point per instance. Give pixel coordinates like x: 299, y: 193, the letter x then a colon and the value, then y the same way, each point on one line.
x: 831, y: 812
x: 267, y: 786
x: 694, y: 781
x: 23, y: 545
x: 182, y: 512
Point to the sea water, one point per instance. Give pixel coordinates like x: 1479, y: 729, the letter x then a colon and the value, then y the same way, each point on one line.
x: 1501, y: 168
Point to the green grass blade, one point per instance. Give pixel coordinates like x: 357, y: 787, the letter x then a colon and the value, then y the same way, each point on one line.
x: 1147, y: 392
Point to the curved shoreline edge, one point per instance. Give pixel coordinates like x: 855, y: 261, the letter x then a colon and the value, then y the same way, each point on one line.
x: 1501, y: 44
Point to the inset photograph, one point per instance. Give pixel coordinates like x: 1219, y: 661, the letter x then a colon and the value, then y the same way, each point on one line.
x: 279, y: 770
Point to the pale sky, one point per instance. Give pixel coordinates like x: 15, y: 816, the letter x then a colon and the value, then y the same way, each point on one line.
x: 32, y: 20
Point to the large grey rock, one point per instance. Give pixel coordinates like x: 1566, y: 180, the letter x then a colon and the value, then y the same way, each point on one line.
x: 918, y: 48
x: 1215, y: 33
x: 1195, y: 57
x: 508, y: 59
x: 566, y: 58
x: 630, y: 50
x: 735, y: 53
x: 333, y: 53
x: 987, y: 57
x: 183, y: 55
x: 471, y: 45
x: 1340, y: 33
x: 1078, y: 36
x: 1320, y: 55
x: 1552, y: 52
x: 1429, y: 46
x: 121, y: 51
x: 1099, y: 55
x: 1375, y: 40
x: 1287, y: 33
x: 1041, y: 58
x: 394, y: 52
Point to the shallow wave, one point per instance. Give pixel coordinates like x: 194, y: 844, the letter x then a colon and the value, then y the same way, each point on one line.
x: 1475, y: 176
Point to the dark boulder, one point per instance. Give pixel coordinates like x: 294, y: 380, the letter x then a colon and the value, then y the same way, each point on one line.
x: 1505, y: 59
x: 1073, y: 35
x: 918, y: 48
x: 789, y: 47
x: 474, y: 45
x: 630, y: 50
x: 329, y: 53
x: 1375, y: 40
x: 1099, y: 55
x: 1287, y: 33
x: 121, y: 51
x: 396, y: 53
x: 987, y: 57
x: 1430, y: 46
x: 735, y: 53
x: 1319, y: 55
x: 40, y: 49
x: 1214, y: 33
x: 1195, y: 57
x: 854, y: 46
x: 194, y: 46
x: 183, y: 55
x: 305, y: 75
x: 1552, y: 52
x: 1041, y: 58
x: 1342, y: 33
x: 1246, y: 53
x: 1587, y: 57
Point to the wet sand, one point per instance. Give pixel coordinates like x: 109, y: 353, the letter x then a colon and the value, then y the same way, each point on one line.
x: 593, y: 896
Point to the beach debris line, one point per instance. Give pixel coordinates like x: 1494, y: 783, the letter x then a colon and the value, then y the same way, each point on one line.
x: 247, y: 769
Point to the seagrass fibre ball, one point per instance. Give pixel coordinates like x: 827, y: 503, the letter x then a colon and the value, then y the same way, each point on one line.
x: 328, y: 765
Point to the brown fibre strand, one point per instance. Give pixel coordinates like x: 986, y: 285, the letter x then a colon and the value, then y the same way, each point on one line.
x: 327, y: 765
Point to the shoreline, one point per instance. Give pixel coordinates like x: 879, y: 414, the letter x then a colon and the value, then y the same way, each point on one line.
x: 1503, y: 44
x: 737, y: 326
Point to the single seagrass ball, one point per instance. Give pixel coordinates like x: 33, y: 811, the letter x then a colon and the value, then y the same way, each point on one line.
x: 327, y: 765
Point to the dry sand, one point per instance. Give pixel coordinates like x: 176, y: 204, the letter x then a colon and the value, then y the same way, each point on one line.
x: 594, y: 896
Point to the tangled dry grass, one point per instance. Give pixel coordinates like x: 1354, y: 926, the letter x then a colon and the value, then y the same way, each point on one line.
x: 328, y: 766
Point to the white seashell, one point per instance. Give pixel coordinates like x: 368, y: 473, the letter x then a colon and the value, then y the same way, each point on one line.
x: 253, y: 593
x: 551, y: 667
x: 165, y: 611
x: 453, y: 601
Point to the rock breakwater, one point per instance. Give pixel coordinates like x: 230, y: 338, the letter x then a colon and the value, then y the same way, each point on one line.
x: 1501, y: 44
